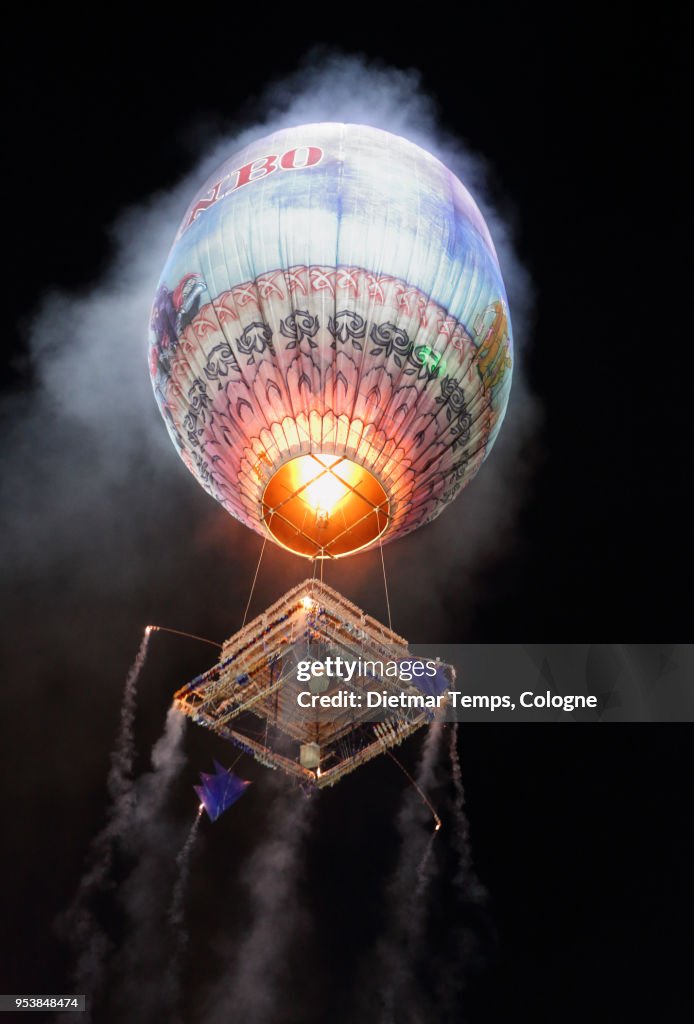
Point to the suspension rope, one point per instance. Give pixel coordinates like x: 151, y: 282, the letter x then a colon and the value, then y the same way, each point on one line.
x: 257, y: 570
x: 313, y: 575
x: 419, y: 789
x: 180, y: 632
x: 385, y: 584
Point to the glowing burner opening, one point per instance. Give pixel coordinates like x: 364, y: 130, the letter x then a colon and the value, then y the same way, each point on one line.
x: 325, y: 506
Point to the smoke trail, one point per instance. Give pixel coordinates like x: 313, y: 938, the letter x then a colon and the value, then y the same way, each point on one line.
x: 137, y: 992
x: 177, y: 911
x: 167, y: 758
x: 136, y: 829
x: 424, y: 869
x: 399, y: 951
x: 252, y: 992
x: 465, y: 877
x: 79, y: 924
x: 462, y: 954
x: 183, y: 859
x: 120, y: 775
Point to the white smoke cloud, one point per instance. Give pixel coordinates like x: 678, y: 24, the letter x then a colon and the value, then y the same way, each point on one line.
x: 176, y: 917
x: 400, y: 948
x: 467, y: 894
x: 139, y: 987
x: 252, y: 988
x: 80, y: 924
x: 137, y: 829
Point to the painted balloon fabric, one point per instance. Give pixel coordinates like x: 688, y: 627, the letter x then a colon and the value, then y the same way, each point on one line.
x: 333, y: 290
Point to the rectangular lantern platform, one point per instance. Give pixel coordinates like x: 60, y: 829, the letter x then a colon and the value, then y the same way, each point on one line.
x: 250, y: 696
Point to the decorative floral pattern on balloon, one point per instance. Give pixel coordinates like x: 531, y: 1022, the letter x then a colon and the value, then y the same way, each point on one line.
x: 425, y: 363
x: 347, y: 326
x: 375, y: 357
x: 298, y: 326
x: 221, y: 360
x: 197, y: 415
x: 452, y: 397
x: 390, y: 340
x: 254, y: 340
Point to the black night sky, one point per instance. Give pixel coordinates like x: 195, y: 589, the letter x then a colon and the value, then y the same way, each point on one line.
x: 582, y: 836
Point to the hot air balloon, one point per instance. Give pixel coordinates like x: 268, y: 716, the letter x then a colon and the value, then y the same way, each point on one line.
x: 330, y: 341
x: 331, y: 351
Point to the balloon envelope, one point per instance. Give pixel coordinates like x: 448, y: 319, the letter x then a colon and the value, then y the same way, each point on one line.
x: 330, y: 342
